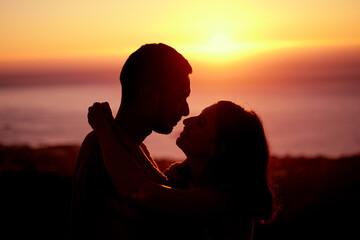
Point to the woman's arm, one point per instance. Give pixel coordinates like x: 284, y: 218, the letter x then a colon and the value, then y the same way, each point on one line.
x: 130, y: 181
x: 122, y: 169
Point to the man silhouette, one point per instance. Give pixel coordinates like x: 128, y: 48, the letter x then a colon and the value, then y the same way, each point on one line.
x: 155, y: 85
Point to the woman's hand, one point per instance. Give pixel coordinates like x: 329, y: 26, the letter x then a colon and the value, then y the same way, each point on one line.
x: 100, y: 116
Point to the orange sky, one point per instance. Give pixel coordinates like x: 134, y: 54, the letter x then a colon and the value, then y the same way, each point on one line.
x: 211, y: 30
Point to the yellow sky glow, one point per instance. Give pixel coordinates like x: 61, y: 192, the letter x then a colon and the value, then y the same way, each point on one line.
x: 217, y: 30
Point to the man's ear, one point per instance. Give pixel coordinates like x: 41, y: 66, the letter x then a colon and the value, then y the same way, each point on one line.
x: 145, y: 95
x: 148, y: 98
x: 152, y: 98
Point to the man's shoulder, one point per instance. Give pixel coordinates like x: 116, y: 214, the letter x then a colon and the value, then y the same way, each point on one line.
x: 90, y: 139
x: 90, y: 148
x: 90, y: 143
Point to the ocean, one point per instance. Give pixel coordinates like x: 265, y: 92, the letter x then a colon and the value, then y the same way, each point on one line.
x: 300, y: 118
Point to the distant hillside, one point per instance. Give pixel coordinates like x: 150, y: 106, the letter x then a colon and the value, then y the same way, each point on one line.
x: 318, y: 198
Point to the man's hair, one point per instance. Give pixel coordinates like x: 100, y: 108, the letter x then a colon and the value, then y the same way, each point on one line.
x: 151, y: 64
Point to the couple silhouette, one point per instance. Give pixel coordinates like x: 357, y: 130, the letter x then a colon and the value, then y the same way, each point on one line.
x: 218, y: 192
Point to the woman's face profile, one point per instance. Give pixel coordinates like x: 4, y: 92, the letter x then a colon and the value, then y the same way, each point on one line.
x: 198, y: 135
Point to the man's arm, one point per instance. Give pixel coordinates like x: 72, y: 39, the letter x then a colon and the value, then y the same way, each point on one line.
x: 131, y: 183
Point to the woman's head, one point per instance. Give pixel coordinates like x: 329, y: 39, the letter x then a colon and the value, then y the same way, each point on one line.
x: 242, y: 156
x: 235, y: 143
x: 223, y: 127
x: 197, y: 140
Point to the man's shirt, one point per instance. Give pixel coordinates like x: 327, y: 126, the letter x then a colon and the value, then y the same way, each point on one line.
x: 93, y: 215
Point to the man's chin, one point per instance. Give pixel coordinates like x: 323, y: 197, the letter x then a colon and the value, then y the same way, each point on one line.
x: 167, y: 130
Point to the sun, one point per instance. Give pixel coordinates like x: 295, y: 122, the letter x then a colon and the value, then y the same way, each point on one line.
x: 220, y: 49
x: 220, y: 44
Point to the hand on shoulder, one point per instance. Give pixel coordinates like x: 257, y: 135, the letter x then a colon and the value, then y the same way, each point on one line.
x: 100, y: 115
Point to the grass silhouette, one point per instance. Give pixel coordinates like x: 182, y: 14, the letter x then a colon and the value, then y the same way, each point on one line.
x: 318, y: 197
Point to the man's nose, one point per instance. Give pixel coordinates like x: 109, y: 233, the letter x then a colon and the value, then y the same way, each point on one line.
x: 185, y: 110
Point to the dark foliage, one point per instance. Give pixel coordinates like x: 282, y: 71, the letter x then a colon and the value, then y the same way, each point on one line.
x: 318, y: 198
x: 34, y: 205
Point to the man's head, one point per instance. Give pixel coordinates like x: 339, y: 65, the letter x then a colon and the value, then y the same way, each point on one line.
x: 155, y: 80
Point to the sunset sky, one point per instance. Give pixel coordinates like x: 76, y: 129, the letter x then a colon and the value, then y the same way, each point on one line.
x: 280, y: 57
x: 47, y: 29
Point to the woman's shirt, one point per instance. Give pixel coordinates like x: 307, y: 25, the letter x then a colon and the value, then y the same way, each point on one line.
x: 236, y: 224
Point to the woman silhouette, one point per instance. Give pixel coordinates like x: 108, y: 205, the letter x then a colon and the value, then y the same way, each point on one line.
x: 218, y: 191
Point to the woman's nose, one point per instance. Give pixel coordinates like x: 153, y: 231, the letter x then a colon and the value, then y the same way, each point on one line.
x: 188, y: 121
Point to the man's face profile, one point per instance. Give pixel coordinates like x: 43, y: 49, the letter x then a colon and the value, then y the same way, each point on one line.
x: 173, y: 104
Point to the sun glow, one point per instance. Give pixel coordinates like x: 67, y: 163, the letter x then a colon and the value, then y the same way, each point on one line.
x: 217, y: 31
x: 220, y: 44
x: 221, y: 49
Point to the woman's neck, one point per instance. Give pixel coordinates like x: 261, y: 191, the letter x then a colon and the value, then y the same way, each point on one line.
x: 198, y: 168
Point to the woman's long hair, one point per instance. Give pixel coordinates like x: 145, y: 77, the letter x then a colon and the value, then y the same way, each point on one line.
x: 241, y: 159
